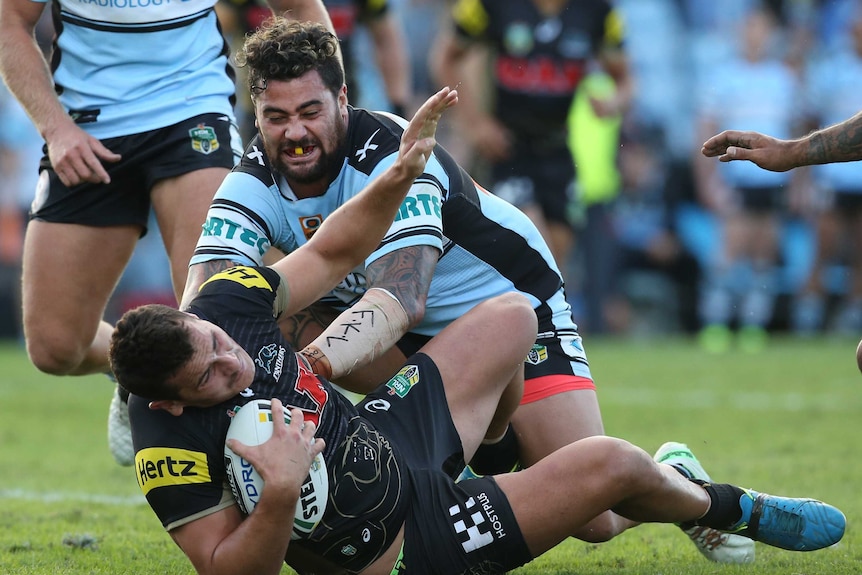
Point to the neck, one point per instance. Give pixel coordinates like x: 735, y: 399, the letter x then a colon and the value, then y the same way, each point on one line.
x: 310, y: 190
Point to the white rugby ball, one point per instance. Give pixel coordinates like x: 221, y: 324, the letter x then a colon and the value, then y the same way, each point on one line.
x: 252, y: 425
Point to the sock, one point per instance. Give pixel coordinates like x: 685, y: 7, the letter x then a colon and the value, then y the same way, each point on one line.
x: 499, y: 457
x: 724, y: 510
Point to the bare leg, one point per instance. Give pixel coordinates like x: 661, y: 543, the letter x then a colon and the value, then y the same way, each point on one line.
x: 551, y: 423
x: 69, y: 272
x: 478, y: 366
x: 181, y: 206
x: 587, y: 478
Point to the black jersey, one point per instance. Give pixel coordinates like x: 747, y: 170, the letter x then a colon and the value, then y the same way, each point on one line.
x: 180, y: 460
x: 539, y: 61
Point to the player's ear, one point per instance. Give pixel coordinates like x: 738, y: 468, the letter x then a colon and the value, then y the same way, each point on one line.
x: 175, y: 408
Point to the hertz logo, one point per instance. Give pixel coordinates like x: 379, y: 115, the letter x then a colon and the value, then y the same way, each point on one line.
x: 161, y: 467
x: 242, y: 275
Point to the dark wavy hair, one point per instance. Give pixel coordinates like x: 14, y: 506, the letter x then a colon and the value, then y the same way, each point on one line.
x: 282, y: 49
x: 149, y: 346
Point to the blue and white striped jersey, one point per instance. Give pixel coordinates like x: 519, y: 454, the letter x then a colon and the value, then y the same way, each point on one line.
x: 123, y: 67
x: 487, y: 246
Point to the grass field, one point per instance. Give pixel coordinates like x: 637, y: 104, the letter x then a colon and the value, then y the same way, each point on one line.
x: 784, y: 421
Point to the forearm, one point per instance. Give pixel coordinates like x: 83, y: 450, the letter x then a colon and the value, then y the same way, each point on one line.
x: 259, y: 544
x: 26, y: 73
x: 391, y: 57
x: 359, y: 335
x: 839, y: 143
x: 354, y: 230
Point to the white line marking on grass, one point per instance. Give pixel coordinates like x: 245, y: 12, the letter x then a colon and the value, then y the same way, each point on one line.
x: 68, y: 497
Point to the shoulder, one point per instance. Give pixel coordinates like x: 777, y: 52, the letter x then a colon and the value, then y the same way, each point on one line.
x: 372, y: 137
x: 240, y: 291
x: 255, y: 162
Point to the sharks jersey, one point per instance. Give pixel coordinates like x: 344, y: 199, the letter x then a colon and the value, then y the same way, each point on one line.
x: 124, y: 67
x: 180, y: 460
x: 487, y: 246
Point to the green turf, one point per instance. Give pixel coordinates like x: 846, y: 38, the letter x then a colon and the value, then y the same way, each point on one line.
x: 783, y: 421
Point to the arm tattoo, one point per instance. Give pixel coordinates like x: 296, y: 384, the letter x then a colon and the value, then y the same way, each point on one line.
x: 840, y: 143
x: 406, y: 274
x: 198, y: 274
x: 301, y: 328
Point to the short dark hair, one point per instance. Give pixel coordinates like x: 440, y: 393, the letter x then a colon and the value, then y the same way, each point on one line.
x: 282, y: 49
x: 149, y: 346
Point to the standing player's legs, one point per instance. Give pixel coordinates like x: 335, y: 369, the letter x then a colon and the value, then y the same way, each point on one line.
x: 180, y: 204
x: 69, y: 273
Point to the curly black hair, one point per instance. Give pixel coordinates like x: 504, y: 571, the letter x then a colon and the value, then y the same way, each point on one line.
x: 282, y: 49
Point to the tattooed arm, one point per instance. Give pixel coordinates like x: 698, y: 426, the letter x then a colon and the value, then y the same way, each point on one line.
x: 395, y: 301
x: 839, y: 143
x: 198, y: 274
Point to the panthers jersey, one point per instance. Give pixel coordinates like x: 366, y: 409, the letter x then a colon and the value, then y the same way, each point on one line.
x: 124, y: 67
x: 487, y: 246
x: 180, y: 460
x: 539, y: 60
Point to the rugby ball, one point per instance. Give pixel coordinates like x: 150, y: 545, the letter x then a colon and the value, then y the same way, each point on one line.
x: 252, y: 425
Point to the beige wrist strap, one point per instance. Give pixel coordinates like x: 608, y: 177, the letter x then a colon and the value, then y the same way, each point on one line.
x: 360, y: 334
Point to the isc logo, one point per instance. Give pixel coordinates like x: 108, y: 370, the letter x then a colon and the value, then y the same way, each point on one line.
x: 160, y: 467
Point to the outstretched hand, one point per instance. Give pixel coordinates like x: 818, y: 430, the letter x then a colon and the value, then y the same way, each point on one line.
x: 765, y: 151
x: 418, y: 139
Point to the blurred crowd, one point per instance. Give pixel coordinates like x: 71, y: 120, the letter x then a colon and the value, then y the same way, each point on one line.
x: 661, y: 239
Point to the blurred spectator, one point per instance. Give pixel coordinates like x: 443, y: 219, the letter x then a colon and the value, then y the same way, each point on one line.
x: 20, y: 150
x: 658, y: 273
x: 594, y: 143
x: 756, y: 89
x: 540, y: 52
x: 835, y: 93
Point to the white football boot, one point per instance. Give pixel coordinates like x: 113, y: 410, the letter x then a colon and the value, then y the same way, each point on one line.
x: 715, y: 545
x: 119, y: 431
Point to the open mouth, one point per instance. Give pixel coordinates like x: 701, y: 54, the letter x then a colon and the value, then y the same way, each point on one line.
x: 299, y: 151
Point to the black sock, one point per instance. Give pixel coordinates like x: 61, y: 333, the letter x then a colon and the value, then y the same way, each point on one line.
x: 500, y: 457
x: 724, y: 510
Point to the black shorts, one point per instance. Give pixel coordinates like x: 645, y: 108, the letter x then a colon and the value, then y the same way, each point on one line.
x: 466, y: 527
x: 546, y: 179
x: 204, y: 141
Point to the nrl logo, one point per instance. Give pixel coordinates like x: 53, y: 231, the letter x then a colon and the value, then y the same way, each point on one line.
x: 204, y: 139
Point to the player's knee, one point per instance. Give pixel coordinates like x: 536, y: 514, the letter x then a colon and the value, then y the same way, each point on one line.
x: 517, y: 311
x: 601, y: 529
x: 617, y: 462
x: 52, y: 356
